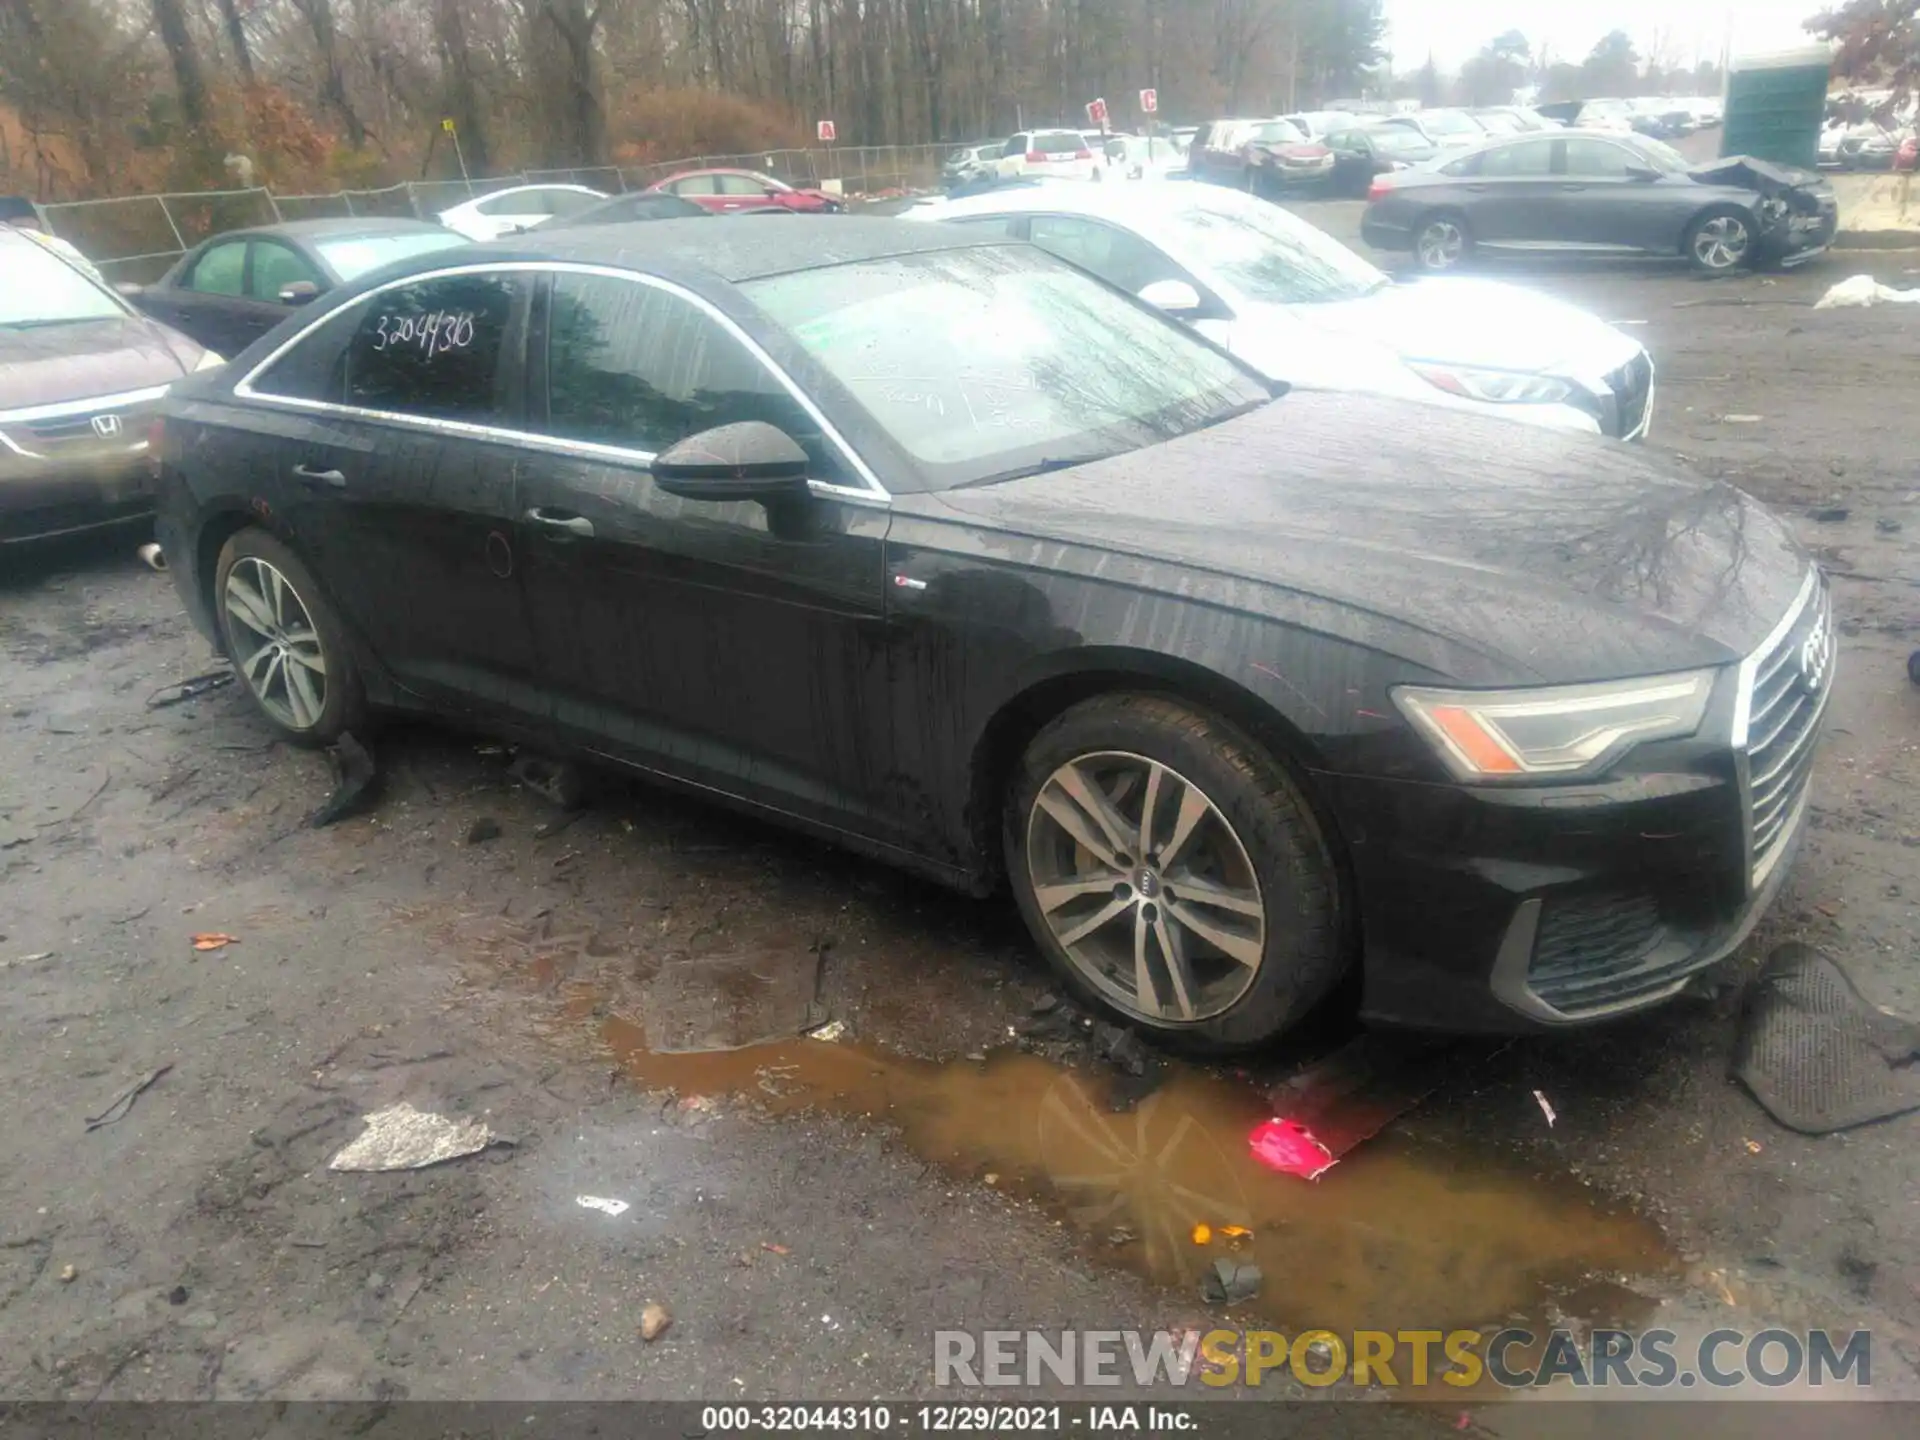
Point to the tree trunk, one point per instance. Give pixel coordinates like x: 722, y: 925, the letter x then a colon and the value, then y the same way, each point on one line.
x: 462, y: 89
x: 567, y: 81
x: 171, y: 20
x: 237, y: 37
x: 333, y: 83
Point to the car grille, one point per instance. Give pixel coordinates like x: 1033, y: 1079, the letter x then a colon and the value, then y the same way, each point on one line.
x: 71, y: 432
x: 1598, y: 950
x: 1787, y: 689
x: 1632, y: 386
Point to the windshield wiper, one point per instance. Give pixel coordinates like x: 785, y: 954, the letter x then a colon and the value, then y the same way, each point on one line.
x: 51, y: 320
x: 1039, y: 467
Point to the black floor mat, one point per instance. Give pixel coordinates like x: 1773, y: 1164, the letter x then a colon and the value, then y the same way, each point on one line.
x: 1815, y: 1054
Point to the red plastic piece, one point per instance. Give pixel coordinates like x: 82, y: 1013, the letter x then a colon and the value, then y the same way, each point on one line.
x: 1289, y: 1148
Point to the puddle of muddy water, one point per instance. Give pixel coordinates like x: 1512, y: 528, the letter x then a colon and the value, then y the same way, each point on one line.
x: 1398, y: 1235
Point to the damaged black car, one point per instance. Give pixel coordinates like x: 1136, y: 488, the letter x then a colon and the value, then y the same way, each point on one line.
x: 1603, y: 194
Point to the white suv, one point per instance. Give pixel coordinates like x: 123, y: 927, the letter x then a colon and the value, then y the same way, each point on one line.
x: 1048, y: 155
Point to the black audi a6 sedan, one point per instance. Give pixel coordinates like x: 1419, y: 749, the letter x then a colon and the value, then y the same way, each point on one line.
x: 926, y: 542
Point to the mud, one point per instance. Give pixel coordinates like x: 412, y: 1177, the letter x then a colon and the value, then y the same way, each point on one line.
x: 810, y: 1231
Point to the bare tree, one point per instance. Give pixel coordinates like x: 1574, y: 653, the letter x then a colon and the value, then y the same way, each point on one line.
x: 170, y: 18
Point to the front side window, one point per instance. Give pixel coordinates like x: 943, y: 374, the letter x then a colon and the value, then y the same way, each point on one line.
x: 1597, y: 158
x: 222, y: 270
x: 511, y: 202
x: 1116, y: 256
x: 276, y: 266
x: 984, y: 363
x: 433, y: 348
x: 569, y: 202
x: 352, y: 256
x: 741, y: 185
x: 641, y: 368
x: 697, y: 185
x: 1531, y: 157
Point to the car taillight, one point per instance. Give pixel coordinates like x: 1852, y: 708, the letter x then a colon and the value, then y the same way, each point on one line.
x: 1083, y: 153
x: 1378, y: 189
x: 1036, y: 157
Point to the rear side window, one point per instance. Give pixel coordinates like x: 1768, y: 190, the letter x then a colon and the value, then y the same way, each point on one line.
x: 641, y: 368
x: 315, y: 368
x: 434, y: 348
x: 697, y: 185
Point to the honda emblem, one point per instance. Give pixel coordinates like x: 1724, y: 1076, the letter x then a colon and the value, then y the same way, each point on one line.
x: 106, y: 426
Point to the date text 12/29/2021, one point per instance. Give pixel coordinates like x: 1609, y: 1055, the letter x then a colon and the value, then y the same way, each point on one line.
x: 944, y: 1419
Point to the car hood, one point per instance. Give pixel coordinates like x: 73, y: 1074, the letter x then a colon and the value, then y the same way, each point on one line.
x: 1525, y: 556
x: 1482, y: 323
x: 55, y: 363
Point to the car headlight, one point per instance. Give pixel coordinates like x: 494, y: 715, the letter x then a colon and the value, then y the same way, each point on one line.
x: 209, y: 360
x: 1495, y: 387
x: 1559, y: 730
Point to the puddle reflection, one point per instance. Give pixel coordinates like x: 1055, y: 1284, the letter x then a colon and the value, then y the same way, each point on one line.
x: 1397, y: 1235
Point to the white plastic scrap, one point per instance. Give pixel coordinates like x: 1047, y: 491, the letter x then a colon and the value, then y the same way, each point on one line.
x: 830, y: 1032
x: 600, y: 1202
x: 1545, y: 1109
x: 1863, y: 290
x: 403, y: 1138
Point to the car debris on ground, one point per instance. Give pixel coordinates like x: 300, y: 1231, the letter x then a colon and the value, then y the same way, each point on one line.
x: 354, y: 778
x: 1863, y: 290
x: 403, y: 1138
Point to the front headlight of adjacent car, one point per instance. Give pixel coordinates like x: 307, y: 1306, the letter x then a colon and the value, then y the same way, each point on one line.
x: 1558, y: 731
x: 1494, y: 387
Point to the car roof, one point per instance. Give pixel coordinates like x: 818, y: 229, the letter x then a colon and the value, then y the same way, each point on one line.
x: 729, y: 252
x: 1136, y: 205
x: 336, y: 228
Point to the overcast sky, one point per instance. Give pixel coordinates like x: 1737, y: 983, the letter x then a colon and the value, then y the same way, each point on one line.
x: 1690, y: 29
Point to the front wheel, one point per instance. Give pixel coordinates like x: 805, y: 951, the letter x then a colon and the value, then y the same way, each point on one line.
x: 1720, y: 242
x: 1441, y: 242
x: 1173, y: 873
x: 285, y: 641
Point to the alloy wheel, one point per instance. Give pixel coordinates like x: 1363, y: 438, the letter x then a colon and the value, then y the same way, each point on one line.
x: 1442, y: 242
x: 1721, y: 243
x: 1146, y: 887
x: 275, y: 644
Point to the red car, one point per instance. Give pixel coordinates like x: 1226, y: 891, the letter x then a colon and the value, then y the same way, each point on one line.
x: 726, y: 191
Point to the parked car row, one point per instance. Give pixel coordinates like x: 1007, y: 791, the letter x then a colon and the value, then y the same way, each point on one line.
x: 943, y: 540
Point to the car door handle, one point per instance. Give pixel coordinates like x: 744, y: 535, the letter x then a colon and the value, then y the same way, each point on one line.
x: 318, y: 479
x: 1479, y: 189
x: 1573, y: 187
x: 557, y: 520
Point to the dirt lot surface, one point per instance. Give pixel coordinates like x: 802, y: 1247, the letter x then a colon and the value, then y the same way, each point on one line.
x: 808, y: 1212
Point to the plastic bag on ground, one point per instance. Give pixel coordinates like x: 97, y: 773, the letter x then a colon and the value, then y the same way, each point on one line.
x: 1864, y: 290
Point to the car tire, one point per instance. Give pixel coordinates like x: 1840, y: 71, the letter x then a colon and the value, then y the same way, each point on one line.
x: 1720, y: 242
x: 1442, y: 241
x: 286, y: 644
x: 1223, y: 974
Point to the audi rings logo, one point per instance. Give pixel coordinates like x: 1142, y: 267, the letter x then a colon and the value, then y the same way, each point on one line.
x: 106, y: 426
x: 1816, y: 656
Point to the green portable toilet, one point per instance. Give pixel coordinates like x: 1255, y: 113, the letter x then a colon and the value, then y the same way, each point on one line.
x: 1776, y: 104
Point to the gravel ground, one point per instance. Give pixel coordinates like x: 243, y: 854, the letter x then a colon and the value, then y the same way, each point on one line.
x: 809, y: 1212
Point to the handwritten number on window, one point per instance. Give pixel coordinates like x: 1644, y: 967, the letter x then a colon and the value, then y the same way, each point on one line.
x: 434, y: 333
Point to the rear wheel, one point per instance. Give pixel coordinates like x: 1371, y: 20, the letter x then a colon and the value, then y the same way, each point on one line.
x: 1441, y: 241
x: 1720, y: 242
x: 285, y: 641
x: 1173, y: 873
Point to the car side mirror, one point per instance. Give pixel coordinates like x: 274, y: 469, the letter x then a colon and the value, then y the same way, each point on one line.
x: 1173, y: 297
x: 751, y: 460
x: 298, y: 293
x: 1642, y: 172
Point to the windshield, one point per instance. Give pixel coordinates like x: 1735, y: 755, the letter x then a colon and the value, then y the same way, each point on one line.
x: 985, y: 363
x: 1448, y: 122
x: 1399, y: 140
x: 37, y: 287
x: 1278, y: 132
x: 351, y: 256
x: 1267, y: 253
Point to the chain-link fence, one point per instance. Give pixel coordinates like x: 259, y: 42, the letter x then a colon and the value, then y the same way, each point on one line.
x: 136, y: 238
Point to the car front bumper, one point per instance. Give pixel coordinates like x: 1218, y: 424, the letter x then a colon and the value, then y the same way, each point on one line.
x: 1508, y: 910
x: 44, y: 500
